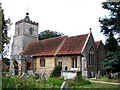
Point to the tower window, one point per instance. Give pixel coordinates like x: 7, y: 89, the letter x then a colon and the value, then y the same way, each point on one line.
x: 31, y: 31
x: 18, y: 31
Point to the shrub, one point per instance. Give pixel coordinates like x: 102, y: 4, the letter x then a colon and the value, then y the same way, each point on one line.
x: 79, y: 75
x: 56, y: 71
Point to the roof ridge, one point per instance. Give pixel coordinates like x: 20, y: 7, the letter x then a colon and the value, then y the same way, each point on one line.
x: 79, y: 35
x: 88, y: 35
x: 52, y: 38
x: 60, y: 46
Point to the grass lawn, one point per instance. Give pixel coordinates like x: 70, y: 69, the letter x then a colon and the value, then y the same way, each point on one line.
x: 105, y: 78
x: 35, y: 82
x: 87, y: 84
x: 95, y: 85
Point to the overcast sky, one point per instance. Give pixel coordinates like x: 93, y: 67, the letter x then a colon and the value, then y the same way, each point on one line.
x: 70, y: 17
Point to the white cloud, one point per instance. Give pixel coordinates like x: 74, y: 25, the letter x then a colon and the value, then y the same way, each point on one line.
x: 71, y: 17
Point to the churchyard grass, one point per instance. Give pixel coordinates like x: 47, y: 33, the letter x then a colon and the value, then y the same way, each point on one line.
x: 106, y: 79
x: 35, y: 82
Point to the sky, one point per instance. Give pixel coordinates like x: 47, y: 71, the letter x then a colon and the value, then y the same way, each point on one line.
x: 70, y: 17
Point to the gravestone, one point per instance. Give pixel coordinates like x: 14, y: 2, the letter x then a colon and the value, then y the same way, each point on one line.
x: 92, y: 74
x: 65, y: 85
x: 30, y: 72
x: 98, y: 74
x: 44, y: 76
x: 23, y: 76
x: 95, y: 76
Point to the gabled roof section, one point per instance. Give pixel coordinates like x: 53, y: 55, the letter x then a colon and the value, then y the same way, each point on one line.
x: 73, y: 45
x: 57, y: 46
x: 47, y: 47
x: 98, y: 43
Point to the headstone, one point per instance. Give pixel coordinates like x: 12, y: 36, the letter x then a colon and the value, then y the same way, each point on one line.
x: 37, y: 73
x: 111, y: 75
x: 65, y: 85
x: 23, y: 76
x: 98, y: 74
x: 30, y: 72
x: 92, y: 74
x: 44, y: 76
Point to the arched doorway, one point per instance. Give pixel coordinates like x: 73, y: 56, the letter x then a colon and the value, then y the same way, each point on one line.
x: 66, y: 68
x: 15, y: 67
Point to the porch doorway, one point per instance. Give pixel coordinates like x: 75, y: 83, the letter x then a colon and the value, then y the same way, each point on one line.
x: 29, y: 65
x: 15, y: 67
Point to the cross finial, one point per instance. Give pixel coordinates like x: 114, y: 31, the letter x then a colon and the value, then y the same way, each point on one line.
x: 27, y: 11
x: 90, y: 29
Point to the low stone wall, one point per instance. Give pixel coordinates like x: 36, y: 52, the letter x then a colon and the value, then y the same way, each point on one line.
x: 69, y: 74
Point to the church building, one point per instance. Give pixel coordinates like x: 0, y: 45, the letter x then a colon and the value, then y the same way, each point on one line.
x: 74, y: 54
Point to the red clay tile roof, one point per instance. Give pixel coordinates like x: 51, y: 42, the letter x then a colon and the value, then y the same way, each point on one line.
x: 45, y: 47
x: 73, y: 45
x: 57, y: 46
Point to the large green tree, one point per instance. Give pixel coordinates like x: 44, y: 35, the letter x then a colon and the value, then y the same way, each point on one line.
x: 4, y: 39
x: 5, y: 26
x: 110, y: 26
x: 111, y: 43
x: 49, y: 34
x: 0, y: 29
x: 111, y: 23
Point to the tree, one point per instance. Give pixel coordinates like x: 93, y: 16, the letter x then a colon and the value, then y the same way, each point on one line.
x: 112, y: 62
x: 4, y: 39
x: 56, y: 71
x: 5, y: 26
x: 111, y: 44
x: 0, y: 29
x: 48, y: 34
x: 110, y: 25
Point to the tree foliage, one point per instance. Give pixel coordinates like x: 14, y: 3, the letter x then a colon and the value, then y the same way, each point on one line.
x: 5, y: 26
x: 112, y: 62
x: 110, y: 25
x: 56, y: 71
x: 111, y: 44
x: 4, y: 39
x: 48, y: 34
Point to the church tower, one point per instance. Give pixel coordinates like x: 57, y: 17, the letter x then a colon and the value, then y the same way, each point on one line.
x: 26, y: 31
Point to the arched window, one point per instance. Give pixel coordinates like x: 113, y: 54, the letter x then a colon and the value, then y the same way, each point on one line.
x: 60, y: 63
x: 91, y: 57
x: 42, y: 62
x: 74, y: 62
x: 31, y: 31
